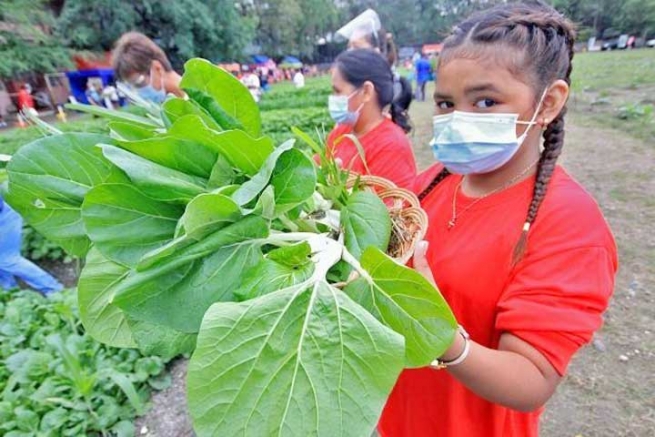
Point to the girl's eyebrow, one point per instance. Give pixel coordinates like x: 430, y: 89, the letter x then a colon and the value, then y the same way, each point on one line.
x: 438, y: 95
x: 483, y: 87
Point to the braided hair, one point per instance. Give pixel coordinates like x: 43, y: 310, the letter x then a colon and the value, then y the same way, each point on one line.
x: 545, y: 39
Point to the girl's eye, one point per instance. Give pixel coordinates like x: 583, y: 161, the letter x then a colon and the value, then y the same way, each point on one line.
x: 445, y: 104
x: 485, y: 103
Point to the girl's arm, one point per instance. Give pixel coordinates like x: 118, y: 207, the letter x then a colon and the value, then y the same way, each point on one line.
x: 516, y: 375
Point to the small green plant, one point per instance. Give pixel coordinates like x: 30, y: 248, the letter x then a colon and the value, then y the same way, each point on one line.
x: 36, y: 247
x: 57, y: 381
x: 636, y: 111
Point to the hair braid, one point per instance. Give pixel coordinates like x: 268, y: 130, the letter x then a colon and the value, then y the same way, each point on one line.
x: 553, y: 143
x: 437, y: 179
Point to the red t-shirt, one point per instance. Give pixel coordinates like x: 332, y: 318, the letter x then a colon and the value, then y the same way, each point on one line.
x: 553, y: 299
x: 25, y: 99
x: 387, y: 151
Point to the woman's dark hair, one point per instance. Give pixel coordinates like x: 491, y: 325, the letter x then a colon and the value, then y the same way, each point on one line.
x: 361, y: 65
x: 544, y: 40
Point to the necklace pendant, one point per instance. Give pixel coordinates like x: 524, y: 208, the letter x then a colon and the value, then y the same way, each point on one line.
x: 451, y: 224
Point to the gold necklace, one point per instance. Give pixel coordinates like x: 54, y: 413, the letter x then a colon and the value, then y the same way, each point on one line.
x: 455, y: 216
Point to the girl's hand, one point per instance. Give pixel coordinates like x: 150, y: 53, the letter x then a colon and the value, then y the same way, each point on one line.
x: 421, y: 265
x: 421, y: 262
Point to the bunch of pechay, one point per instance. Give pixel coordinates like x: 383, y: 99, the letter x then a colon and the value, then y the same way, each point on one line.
x: 201, y: 236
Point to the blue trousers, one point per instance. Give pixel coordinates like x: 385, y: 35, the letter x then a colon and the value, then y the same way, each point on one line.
x: 12, y: 264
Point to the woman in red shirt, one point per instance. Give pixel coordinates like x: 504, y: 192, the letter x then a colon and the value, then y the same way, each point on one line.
x: 517, y: 247
x: 362, y: 85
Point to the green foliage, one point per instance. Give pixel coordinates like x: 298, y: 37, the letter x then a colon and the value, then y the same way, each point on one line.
x: 636, y: 112
x: 57, y: 381
x: 36, y: 247
x: 607, y: 16
x: 202, y: 236
x: 184, y: 28
x: 25, y: 43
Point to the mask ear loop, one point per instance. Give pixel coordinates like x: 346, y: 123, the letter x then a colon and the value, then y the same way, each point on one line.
x: 533, y: 120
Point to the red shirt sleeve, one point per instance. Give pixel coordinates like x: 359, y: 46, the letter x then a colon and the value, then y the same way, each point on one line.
x: 556, y: 297
x: 387, y: 151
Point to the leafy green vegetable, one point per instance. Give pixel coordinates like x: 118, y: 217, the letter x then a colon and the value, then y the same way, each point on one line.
x: 406, y: 302
x: 227, y: 93
x: 48, y: 181
x: 208, y: 239
x: 366, y: 223
x: 57, y: 381
x: 103, y: 320
x: 125, y: 224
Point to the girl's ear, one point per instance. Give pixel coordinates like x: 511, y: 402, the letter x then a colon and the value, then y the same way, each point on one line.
x: 368, y: 91
x: 554, y: 101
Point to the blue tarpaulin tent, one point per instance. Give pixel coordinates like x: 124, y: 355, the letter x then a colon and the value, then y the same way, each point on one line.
x: 260, y: 59
x: 291, y: 62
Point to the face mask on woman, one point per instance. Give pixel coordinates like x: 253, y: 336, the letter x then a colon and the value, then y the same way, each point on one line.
x: 474, y: 143
x: 338, y: 107
x: 148, y: 92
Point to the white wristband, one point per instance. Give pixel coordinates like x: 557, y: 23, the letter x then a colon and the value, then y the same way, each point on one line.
x: 439, y: 364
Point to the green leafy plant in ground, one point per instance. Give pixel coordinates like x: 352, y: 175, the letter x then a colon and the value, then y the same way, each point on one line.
x: 57, y: 381
x: 202, y: 235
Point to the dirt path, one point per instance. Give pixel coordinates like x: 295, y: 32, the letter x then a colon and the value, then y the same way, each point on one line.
x: 610, y: 389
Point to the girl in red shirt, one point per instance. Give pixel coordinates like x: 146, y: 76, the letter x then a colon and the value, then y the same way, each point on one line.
x: 362, y: 84
x: 518, y: 248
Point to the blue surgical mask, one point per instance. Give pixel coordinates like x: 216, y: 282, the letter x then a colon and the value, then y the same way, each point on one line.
x: 474, y: 143
x: 149, y: 92
x: 338, y: 107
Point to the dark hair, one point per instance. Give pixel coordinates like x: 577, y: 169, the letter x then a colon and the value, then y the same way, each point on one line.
x: 361, y: 65
x: 545, y: 39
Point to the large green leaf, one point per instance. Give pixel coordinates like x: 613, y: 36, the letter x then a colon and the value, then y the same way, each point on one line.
x: 175, y: 153
x: 48, y: 180
x: 222, y: 174
x: 293, y: 180
x: 250, y: 190
x: 282, y: 268
x: 155, y: 180
x: 125, y: 224
x: 179, y: 286
x: 215, y: 110
x: 104, y: 321
x: 404, y: 300
x: 242, y: 150
x: 306, y: 361
x: 232, y: 96
x: 129, y: 132
x: 175, y: 108
x: 208, y: 213
x: 161, y: 340
x: 366, y: 222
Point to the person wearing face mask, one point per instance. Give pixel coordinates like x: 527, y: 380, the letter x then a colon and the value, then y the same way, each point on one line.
x: 138, y: 61
x: 365, y: 32
x: 362, y: 85
x: 519, y: 250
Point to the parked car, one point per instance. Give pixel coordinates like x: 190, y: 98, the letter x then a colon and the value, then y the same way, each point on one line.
x: 650, y: 43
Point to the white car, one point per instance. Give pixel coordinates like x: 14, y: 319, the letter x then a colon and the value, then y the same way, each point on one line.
x: 650, y: 43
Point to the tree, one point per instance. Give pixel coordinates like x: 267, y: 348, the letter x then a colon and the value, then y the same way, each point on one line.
x: 637, y: 17
x: 211, y: 29
x: 26, y: 41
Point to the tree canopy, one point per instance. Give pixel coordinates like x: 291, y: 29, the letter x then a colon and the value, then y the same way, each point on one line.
x: 40, y: 35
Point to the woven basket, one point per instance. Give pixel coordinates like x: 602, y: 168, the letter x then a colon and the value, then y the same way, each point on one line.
x: 409, y: 221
